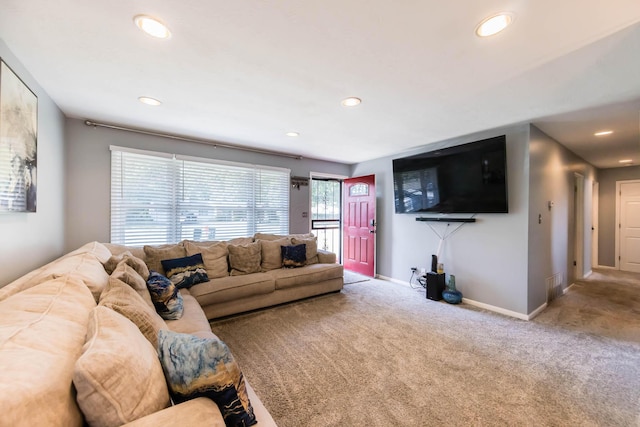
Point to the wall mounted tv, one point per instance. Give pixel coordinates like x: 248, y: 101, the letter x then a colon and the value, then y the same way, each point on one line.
x: 467, y: 178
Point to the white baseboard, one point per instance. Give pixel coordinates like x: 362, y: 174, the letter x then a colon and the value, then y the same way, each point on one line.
x: 589, y: 273
x: 605, y: 267
x: 477, y: 303
x: 565, y: 290
x: 504, y: 311
x: 390, y: 279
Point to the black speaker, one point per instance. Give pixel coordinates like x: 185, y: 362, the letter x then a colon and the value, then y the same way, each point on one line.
x: 435, y: 285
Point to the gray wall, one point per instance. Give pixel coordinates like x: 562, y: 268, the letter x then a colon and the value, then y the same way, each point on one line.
x: 89, y: 168
x: 607, y: 179
x: 552, y: 242
x: 29, y: 240
x: 488, y: 258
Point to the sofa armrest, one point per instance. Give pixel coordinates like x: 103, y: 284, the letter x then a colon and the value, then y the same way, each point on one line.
x: 197, y: 412
x: 326, y: 257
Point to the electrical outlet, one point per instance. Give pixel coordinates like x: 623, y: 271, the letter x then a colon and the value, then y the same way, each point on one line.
x: 423, y: 271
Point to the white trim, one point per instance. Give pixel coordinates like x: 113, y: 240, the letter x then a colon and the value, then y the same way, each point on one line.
x: 595, y: 215
x: 477, y: 303
x: 589, y: 273
x: 565, y: 290
x: 390, y: 279
x: 618, y: 219
x: 327, y: 175
x: 606, y: 267
x: 505, y: 311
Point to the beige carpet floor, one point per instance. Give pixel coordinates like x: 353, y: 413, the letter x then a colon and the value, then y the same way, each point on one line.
x: 381, y: 354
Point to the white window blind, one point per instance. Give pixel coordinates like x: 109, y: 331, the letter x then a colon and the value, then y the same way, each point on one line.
x: 158, y: 199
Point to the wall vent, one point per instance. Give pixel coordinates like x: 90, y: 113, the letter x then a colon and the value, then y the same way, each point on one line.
x: 554, y: 286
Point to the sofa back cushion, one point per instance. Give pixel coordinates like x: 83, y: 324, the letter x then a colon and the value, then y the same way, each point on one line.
x: 118, y: 377
x: 42, y: 334
x: 311, y: 246
x: 155, y: 255
x: 121, y: 298
x: 214, y: 256
x: 244, y: 259
x: 86, y: 263
x: 272, y: 253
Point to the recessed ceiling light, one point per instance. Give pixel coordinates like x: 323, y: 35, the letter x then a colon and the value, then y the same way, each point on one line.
x: 149, y: 101
x: 603, y: 133
x: 292, y: 134
x: 494, y: 24
x: 152, y: 26
x: 625, y: 161
x: 351, y: 101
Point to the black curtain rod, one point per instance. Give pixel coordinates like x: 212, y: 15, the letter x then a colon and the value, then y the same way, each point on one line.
x: 187, y: 139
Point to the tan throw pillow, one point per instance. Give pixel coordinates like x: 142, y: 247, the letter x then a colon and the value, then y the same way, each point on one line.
x: 240, y: 241
x: 121, y: 298
x: 214, y: 257
x: 244, y: 259
x: 272, y: 253
x: 312, y: 248
x: 118, y: 377
x: 131, y: 277
x: 155, y: 254
x: 131, y: 260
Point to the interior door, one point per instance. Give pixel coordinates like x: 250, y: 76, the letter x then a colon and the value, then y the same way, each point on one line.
x: 630, y: 226
x: 359, y: 224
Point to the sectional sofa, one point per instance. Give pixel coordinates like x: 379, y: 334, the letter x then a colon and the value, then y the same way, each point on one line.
x: 79, y: 336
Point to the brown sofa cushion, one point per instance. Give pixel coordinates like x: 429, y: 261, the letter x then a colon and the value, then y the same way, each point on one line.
x: 269, y: 236
x: 43, y: 330
x: 155, y: 254
x: 118, y: 377
x: 214, y: 257
x: 272, y: 253
x: 309, y: 274
x: 312, y: 248
x: 131, y: 277
x: 121, y: 298
x: 245, y: 259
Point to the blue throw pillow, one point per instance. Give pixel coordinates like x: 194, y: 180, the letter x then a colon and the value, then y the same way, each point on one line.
x: 165, y: 296
x: 294, y: 255
x: 196, y: 367
x: 185, y: 272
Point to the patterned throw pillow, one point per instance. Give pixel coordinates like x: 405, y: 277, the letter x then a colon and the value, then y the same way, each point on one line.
x: 165, y: 296
x: 294, y: 255
x: 185, y: 272
x: 196, y: 367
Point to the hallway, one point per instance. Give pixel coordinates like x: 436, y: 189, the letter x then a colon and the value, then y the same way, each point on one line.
x: 607, y: 303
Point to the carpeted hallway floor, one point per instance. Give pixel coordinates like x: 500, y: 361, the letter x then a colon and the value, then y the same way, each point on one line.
x: 380, y: 354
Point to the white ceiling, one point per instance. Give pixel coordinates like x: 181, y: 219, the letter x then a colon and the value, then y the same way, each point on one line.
x: 246, y: 72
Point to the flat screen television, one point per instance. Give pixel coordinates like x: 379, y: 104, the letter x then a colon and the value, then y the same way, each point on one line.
x: 467, y: 178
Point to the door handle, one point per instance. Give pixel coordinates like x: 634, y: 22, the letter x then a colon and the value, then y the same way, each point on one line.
x: 372, y: 231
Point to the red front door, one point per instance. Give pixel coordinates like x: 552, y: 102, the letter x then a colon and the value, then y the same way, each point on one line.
x: 359, y: 224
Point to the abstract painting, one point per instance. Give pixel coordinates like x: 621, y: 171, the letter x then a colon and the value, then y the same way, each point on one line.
x: 18, y: 143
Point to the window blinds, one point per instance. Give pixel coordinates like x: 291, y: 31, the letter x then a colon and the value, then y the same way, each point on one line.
x: 158, y: 198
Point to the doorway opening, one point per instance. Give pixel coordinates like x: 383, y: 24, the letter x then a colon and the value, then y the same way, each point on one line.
x: 326, y: 214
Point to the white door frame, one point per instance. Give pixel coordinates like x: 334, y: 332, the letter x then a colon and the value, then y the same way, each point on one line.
x: 595, y: 226
x: 578, y: 251
x: 618, y: 225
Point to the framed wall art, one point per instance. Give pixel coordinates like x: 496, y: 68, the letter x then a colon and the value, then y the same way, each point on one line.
x: 18, y: 143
